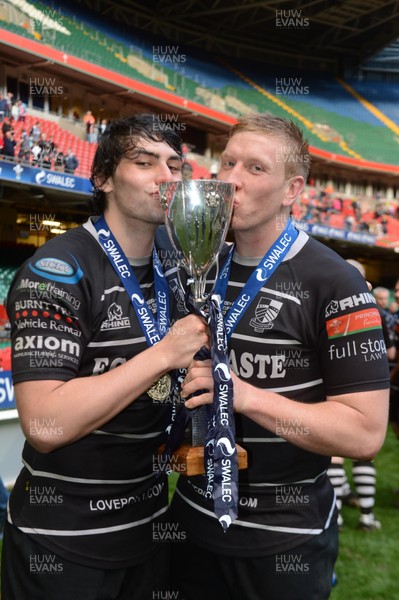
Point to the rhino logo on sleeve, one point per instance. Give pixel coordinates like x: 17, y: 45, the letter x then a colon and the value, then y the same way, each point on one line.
x: 332, y: 308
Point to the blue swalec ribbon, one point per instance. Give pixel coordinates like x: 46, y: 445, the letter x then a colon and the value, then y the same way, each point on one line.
x: 154, y: 330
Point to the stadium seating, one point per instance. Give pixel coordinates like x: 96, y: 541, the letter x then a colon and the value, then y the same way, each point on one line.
x: 63, y: 140
x: 334, y: 120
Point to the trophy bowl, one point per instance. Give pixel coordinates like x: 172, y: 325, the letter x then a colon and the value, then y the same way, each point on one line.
x: 197, y: 217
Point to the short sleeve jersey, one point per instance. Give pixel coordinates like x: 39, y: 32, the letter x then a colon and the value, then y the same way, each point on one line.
x: 312, y: 331
x: 94, y: 501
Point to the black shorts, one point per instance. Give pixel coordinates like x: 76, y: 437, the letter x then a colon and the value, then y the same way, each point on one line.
x: 304, y: 572
x: 31, y: 572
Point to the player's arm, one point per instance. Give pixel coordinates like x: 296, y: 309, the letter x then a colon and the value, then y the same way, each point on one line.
x: 80, y: 405
x: 351, y: 425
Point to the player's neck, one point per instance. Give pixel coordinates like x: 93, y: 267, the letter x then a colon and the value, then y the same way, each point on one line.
x: 257, y: 241
x: 135, y: 237
x: 254, y: 244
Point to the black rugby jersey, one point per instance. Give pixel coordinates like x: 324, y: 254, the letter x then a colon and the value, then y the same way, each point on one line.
x: 94, y: 501
x: 312, y: 330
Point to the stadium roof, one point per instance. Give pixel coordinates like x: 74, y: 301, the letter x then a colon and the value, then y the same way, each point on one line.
x: 311, y: 34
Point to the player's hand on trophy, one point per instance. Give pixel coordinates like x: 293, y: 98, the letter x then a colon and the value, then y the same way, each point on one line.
x: 199, y: 377
x: 184, y: 340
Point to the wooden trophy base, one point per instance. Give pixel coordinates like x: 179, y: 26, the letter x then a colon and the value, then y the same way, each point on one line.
x: 189, y: 460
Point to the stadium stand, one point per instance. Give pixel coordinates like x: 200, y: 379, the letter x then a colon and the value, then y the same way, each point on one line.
x: 334, y: 119
x: 63, y: 140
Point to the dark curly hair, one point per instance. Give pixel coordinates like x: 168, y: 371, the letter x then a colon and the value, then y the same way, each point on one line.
x: 119, y: 141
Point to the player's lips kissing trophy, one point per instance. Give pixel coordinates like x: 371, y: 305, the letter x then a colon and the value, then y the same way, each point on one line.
x: 197, y: 216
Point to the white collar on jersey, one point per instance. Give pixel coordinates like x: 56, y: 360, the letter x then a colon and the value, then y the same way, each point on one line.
x: 253, y: 261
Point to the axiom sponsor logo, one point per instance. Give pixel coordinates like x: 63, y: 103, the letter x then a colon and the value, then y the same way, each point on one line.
x: 58, y: 270
x: 370, y: 350
x: 265, y: 313
x: 40, y: 342
x: 350, y: 302
x: 115, y: 320
x: 349, y: 324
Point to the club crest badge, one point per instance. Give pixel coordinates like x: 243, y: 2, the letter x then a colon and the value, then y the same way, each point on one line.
x: 265, y: 313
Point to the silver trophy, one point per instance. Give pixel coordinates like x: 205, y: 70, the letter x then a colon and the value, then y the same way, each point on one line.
x: 197, y: 217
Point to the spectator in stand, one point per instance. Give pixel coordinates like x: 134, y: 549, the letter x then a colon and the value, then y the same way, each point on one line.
x: 214, y: 169
x: 8, y: 125
x: 35, y: 132
x: 3, y: 107
x: 36, y: 151
x: 185, y: 151
x: 25, y: 146
x: 15, y: 111
x: 9, y: 144
x: 22, y: 111
x: 349, y: 222
x: 187, y: 171
x: 71, y: 162
x: 45, y: 152
x: 394, y: 308
x: 9, y: 97
x: 90, y: 122
x: 59, y: 162
x: 102, y: 127
x: 381, y: 295
x: 51, y: 145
